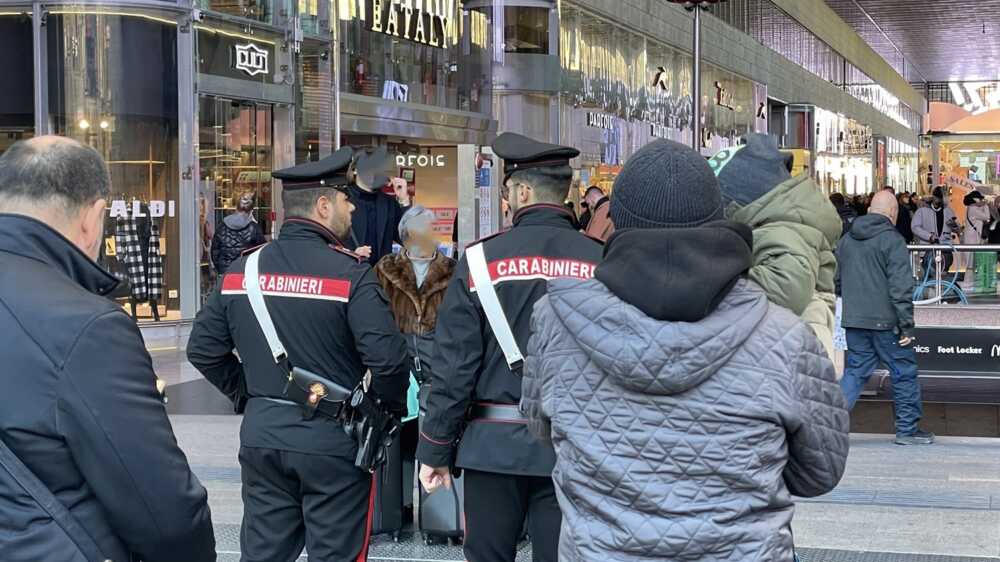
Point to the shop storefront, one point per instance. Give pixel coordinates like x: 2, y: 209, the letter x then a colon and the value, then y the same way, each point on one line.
x: 214, y: 101
x: 620, y: 90
x: 417, y: 79
x: 178, y: 156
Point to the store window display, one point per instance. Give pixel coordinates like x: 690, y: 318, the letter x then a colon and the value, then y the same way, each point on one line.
x: 17, y: 110
x: 123, y: 102
x: 437, y: 54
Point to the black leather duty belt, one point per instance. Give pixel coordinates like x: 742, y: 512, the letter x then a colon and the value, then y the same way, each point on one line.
x: 328, y: 408
x: 510, y: 413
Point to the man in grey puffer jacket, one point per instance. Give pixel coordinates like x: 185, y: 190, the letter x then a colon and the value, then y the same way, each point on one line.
x: 685, y: 409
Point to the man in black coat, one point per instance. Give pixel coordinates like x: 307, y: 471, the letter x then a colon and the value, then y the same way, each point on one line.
x: 80, y: 406
x: 300, y: 484
x: 375, y: 222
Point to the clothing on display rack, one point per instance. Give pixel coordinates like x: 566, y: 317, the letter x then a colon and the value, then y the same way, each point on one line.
x: 137, y: 240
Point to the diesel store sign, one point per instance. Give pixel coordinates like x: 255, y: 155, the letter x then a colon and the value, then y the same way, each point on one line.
x: 422, y: 21
x: 958, y: 350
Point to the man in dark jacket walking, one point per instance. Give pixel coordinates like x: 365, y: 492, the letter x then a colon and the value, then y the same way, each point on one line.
x: 80, y: 406
x: 237, y: 232
x: 876, y: 283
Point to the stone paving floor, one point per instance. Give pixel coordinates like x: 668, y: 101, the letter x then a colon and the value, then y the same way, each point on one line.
x: 915, y: 504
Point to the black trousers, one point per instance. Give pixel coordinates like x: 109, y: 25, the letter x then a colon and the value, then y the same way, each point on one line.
x: 291, y: 500
x: 495, y: 509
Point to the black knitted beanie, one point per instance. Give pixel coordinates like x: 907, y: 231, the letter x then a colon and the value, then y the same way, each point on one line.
x: 665, y: 185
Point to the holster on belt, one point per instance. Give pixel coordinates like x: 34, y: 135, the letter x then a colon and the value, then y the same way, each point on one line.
x: 315, y: 393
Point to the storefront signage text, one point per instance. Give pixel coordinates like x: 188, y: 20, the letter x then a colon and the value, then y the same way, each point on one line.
x: 965, y: 350
x: 427, y: 25
x: 251, y: 59
x: 724, y: 97
x: 421, y: 160
x: 125, y: 209
x: 659, y: 131
x: 600, y: 120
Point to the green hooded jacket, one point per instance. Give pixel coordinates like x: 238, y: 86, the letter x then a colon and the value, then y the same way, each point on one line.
x: 795, y: 234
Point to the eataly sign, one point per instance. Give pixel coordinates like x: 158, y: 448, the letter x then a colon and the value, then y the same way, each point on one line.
x: 421, y: 21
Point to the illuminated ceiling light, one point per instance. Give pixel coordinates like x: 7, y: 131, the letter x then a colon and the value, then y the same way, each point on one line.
x: 84, y: 124
x: 104, y: 124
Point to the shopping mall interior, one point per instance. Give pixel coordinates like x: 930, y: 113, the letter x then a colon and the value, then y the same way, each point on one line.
x: 195, y: 104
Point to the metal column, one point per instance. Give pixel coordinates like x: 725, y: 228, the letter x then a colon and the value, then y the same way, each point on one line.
x: 43, y: 125
x: 696, y: 82
x: 187, y: 145
x: 335, y: 28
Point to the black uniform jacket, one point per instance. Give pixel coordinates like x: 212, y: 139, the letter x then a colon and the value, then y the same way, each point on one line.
x: 543, y: 244
x: 333, y: 319
x: 79, y: 406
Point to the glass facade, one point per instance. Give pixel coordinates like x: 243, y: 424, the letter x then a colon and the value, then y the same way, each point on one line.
x: 430, y: 53
x: 526, y: 30
x: 204, y: 111
x: 622, y: 89
x: 17, y: 105
x: 123, y: 101
x: 781, y: 33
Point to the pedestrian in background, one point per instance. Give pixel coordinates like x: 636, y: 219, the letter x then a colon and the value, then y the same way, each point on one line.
x: 846, y: 212
x: 238, y: 232
x: 877, y: 287
x: 80, y: 405
x: 599, y: 226
x: 795, y: 229
x: 978, y: 224
x: 935, y: 224
x: 905, y: 218
x: 685, y: 409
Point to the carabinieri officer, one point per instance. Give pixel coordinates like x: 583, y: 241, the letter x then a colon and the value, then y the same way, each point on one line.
x: 300, y: 485
x: 478, y: 385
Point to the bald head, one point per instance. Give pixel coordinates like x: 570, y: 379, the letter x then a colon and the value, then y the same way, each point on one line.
x: 51, y: 171
x: 60, y: 182
x: 884, y: 203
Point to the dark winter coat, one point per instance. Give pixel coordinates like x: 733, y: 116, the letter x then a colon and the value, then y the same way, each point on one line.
x: 685, y: 409
x: 385, y: 212
x: 236, y: 233
x: 544, y: 243
x: 847, y: 216
x: 875, y: 276
x: 331, y: 315
x: 81, y: 410
x: 416, y: 309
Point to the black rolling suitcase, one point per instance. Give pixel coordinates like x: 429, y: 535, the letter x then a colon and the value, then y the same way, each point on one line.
x: 388, y: 518
x: 441, y: 517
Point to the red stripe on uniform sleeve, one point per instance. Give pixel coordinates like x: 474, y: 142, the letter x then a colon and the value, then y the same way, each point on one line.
x: 232, y: 282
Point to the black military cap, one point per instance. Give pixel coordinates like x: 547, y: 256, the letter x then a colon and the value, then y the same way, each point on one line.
x: 331, y: 171
x: 521, y: 153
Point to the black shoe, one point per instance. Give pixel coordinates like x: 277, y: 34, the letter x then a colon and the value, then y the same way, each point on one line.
x: 918, y: 437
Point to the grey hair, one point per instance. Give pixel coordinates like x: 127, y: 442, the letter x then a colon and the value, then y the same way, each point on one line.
x: 415, y: 212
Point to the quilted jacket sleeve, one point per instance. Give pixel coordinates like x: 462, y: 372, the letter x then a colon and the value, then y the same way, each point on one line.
x: 534, y: 373
x: 784, y: 266
x: 816, y: 421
